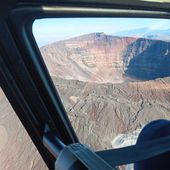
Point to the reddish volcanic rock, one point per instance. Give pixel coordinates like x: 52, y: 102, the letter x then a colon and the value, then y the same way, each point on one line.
x: 102, y: 111
x: 94, y: 57
x: 99, y: 80
x: 102, y: 58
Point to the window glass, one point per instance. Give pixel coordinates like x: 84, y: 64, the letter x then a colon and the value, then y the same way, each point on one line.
x: 112, y: 74
x: 17, y: 151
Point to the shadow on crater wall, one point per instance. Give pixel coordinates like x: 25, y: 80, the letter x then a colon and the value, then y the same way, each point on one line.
x: 150, y: 60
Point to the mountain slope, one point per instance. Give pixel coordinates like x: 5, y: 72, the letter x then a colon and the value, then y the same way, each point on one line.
x: 102, y: 58
x: 98, y: 77
x: 99, y: 112
x: 94, y: 57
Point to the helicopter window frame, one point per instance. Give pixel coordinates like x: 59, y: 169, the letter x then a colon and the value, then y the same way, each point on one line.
x: 21, y: 19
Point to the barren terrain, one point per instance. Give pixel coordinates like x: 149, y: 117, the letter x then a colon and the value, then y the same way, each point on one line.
x: 110, y: 86
x: 99, y: 112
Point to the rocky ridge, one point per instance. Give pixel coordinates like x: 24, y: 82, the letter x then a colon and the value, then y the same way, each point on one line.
x: 102, y: 58
x: 100, y: 112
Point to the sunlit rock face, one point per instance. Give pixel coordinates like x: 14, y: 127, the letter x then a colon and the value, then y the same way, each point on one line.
x: 102, y: 58
x: 100, y: 112
x: 147, y: 59
x: 123, y: 140
x: 94, y: 57
x: 110, y: 85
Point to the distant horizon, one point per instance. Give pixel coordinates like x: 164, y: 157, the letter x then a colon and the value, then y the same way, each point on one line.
x: 83, y: 35
x: 47, y: 31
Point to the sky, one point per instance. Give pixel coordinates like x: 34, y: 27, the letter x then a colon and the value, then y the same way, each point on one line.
x: 47, y: 31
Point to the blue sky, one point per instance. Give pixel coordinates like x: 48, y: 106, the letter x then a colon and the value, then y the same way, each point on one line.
x: 50, y: 30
